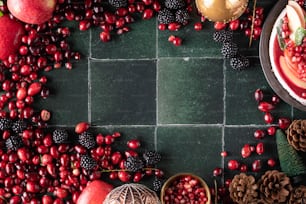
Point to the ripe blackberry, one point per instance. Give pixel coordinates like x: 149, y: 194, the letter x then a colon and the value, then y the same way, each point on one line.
x: 165, y: 16
x: 151, y: 157
x: 87, y: 162
x: 182, y: 16
x: 133, y: 164
x: 87, y: 140
x: 60, y: 136
x: 19, y: 126
x: 157, y: 184
x: 174, y: 4
x: 229, y: 49
x: 223, y: 36
x: 13, y: 142
x: 5, y: 123
x: 118, y: 3
x: 239, y: 62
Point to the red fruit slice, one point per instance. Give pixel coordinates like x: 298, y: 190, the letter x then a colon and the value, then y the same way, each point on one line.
x: 291, y: 74
x: 94, y: 193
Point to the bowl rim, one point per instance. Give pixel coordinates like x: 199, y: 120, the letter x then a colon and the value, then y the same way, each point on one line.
x: 173, y: 177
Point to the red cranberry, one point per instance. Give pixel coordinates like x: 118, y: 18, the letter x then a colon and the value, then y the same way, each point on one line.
x: 233, y: 164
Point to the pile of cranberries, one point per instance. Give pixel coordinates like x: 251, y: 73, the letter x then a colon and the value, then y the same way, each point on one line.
x: 42, y: 171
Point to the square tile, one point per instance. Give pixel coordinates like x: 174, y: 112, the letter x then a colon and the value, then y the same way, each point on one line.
x: 140, y: 43
x: 241, y: 107
x: 67, y: 96
x: 190, y: 149
x: 190, y: 91
x: 123, y: 92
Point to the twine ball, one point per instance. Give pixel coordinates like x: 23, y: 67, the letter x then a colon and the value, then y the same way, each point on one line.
x: 132, y: 194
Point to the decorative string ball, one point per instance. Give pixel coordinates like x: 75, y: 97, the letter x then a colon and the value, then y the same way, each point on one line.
x: 132, y: 193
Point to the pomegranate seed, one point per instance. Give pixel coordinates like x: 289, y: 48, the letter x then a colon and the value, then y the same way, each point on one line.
x: 243, y: 168
x: 256, y: 166
x: 271, y: 130
x: 219, y: 25
x: 246, y: 151
x: 259, y: 134
x: 265, y: 106
x: 177, y: 41
x: 198, y: 26
x: 233, y: 164
x: 105, y: 36
x: 217, y: 171
x: 133, y: 144
x: 271, y: 162
x: 284, y: 123
x: 268, y: 118
x: 260, y: 148
x: 224, y: 154
x: 258, y: 95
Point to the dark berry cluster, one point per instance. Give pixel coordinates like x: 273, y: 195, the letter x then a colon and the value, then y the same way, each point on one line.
x: 118, y: 3
x: 87, y: 140
x: 60, y: 136
x: 230, y: 50
x: 173, y: 11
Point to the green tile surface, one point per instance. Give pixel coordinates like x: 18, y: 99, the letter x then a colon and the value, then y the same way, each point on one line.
x: 190, y: 91
x: 123, y: 92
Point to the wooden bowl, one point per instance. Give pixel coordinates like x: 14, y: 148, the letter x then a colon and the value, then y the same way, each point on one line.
x: 179, y: 175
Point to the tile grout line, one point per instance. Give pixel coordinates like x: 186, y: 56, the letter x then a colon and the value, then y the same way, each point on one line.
x: 224, y: 114
x: 89, y: 79
x: 156, y: 86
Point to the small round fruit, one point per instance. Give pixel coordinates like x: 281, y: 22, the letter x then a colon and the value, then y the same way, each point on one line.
x: 233, y: 164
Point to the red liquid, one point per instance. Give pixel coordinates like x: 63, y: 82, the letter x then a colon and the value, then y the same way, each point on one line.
x: 277, y: 53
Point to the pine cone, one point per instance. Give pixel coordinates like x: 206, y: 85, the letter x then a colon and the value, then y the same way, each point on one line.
x: 274, y: 187
x: 296, y: 135
x: 243, y: 189
x: 298, y: 195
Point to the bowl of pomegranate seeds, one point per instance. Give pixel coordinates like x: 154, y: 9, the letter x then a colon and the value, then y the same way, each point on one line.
x: 185, y: 188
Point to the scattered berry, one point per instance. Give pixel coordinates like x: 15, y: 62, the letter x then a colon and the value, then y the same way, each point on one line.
x: 87, y: 140
x: 174, y: 4
x: 134, y: 164
x: 60, y: 136
x: 165, y: 16
x: 239, y: 63
x: 229, y: 49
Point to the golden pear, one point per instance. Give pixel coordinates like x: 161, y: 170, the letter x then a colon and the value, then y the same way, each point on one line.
x: 221, y: 10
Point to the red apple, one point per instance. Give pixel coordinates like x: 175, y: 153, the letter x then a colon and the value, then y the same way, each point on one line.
x: 94, y: 193
x: 11, y: 32
x: 32, y: 12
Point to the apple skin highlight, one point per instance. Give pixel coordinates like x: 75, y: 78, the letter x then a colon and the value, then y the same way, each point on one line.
x: 33, y: 13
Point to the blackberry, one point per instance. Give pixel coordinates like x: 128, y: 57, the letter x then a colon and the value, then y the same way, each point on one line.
x: 174, y: 4
x: 223, y: 36
x: 19, y: 126
x: 151, y: 157
x: 165, y: 16
x: 86, y: 139
x: 60, y: 136
x: 229, y: 49
x: 118, y: 3
x: 157, y: 184
x: 239, y: 62
x: 13, y: 142
x: 87, y: 162
x: 133, y: 164
x: 182, y: 16
x: 5, y: 123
